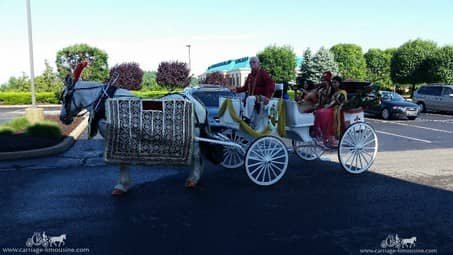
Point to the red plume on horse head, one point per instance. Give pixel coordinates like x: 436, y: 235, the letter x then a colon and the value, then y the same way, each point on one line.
x: 78, y: 70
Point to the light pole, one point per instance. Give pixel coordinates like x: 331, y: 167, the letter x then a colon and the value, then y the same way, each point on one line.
x: 33, y: 114
x: 188, y: 47
x: 30, y: 49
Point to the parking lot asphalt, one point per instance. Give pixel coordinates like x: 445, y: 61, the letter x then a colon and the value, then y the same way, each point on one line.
x: 428, y: 131
x: 317, y: 208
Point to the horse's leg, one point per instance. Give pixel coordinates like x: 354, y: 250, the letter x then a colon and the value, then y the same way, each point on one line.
x: 197, y: 166
x: 124, y: 181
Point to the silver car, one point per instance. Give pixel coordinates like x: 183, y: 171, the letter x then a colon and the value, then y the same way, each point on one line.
x: 209, y: 95
x: 434, y: 97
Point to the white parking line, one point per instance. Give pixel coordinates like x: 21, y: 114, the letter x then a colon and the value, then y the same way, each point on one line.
x: 435, y: 114
x: 402, y: 136
x: 415, y: 126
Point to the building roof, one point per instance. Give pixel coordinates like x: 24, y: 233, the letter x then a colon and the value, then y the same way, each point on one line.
x: 235, y: 64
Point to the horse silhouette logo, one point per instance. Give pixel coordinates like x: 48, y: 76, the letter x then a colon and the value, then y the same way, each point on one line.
x: 41, y: 239
x: 393, y: 241
x: 409, y: 241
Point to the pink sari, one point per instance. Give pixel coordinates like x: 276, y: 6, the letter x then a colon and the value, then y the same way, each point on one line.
x: 324, y: 123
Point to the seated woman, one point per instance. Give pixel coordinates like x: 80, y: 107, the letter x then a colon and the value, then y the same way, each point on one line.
x: 308, y: 97
x: 328, y: 118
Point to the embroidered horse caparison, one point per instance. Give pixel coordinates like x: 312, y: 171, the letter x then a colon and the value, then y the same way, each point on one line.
x: 82, y: 96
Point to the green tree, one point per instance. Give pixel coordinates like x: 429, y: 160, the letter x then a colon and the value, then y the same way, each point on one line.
x: 194, y: 81
x: 440, y: 66
x: 350, y: 60
x: 280, y: 62
x: 173, y: 75
x: 149, y: 81
x: 444, y: 71
x: 307, y: 68
x: 407, y: 63
x: 313, y: 67
x: 48, y: 81
x: 21, y: 84
x: 69, y: 57
x: 378, y: 66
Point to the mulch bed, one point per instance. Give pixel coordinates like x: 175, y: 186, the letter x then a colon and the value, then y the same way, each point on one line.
x: 22, y: 141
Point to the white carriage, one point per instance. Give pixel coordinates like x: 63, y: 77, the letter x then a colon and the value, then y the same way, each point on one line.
x: 265, y: 155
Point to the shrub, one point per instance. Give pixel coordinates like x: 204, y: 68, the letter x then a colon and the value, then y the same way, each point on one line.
x: 216, y: 78
x: 130, y: 76
x: 17, y: 124
x: 48, y: 129
x: 12, y: 98
x: 173, y: 75
x: 5, y: 130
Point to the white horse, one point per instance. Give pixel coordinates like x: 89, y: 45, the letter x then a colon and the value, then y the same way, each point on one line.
x: 84, y: 95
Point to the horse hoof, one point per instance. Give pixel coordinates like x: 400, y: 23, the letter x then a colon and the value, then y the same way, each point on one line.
x: 118, y: 192
x: 190, y: 184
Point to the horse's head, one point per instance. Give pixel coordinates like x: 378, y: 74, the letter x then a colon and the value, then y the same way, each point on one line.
x: 68, y: 107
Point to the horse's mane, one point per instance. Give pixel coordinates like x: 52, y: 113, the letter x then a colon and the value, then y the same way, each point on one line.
x: 88, y: 84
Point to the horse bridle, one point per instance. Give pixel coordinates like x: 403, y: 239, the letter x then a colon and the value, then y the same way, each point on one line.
x: 67, y: 101
x: 69, y: 84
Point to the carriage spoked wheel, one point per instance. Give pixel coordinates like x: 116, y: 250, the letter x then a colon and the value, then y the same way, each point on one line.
x: 233, y: 157
x: 307, y: 151
x: 266, y: 160
x: 357, y: 148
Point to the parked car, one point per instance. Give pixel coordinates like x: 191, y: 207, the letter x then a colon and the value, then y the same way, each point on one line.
x: 209, y: 95
x: 434, y: 97
x: 393, y: 105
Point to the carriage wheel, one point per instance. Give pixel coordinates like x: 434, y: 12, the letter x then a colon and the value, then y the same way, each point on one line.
x: 233, y: 157
x: 358, y: 147
x: 307, y: 151
x: 266, y: 160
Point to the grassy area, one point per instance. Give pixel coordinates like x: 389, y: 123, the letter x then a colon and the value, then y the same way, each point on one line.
x: 49, y: 129
x: 15, y: 125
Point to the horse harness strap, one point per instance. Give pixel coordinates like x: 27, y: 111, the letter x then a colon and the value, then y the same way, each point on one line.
x: 99, y: 109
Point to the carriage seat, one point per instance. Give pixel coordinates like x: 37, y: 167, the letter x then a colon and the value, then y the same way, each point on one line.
x: 294, y: 118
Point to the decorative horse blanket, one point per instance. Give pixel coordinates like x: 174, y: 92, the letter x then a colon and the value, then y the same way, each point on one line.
x: 149, y: 131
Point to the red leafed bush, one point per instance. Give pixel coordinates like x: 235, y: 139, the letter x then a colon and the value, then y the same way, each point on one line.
x: 173, y: 75
x: 216, y: 78
x: 130, y: 76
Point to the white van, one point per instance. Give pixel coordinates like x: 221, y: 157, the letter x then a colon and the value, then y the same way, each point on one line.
x: 434, y: 97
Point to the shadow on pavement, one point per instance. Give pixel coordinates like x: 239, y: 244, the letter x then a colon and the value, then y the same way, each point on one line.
x: 317, y: 208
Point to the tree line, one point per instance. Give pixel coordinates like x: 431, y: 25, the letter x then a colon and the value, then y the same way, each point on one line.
x: 415, y: 62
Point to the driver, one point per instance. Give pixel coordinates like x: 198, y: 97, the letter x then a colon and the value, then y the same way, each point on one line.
x: 258, y: 86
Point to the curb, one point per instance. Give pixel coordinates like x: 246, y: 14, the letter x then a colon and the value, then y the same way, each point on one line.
x: 55, y: 149
x: 13, y: 106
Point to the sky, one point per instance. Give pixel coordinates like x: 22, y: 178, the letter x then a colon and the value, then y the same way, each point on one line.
x: 151, y: 31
